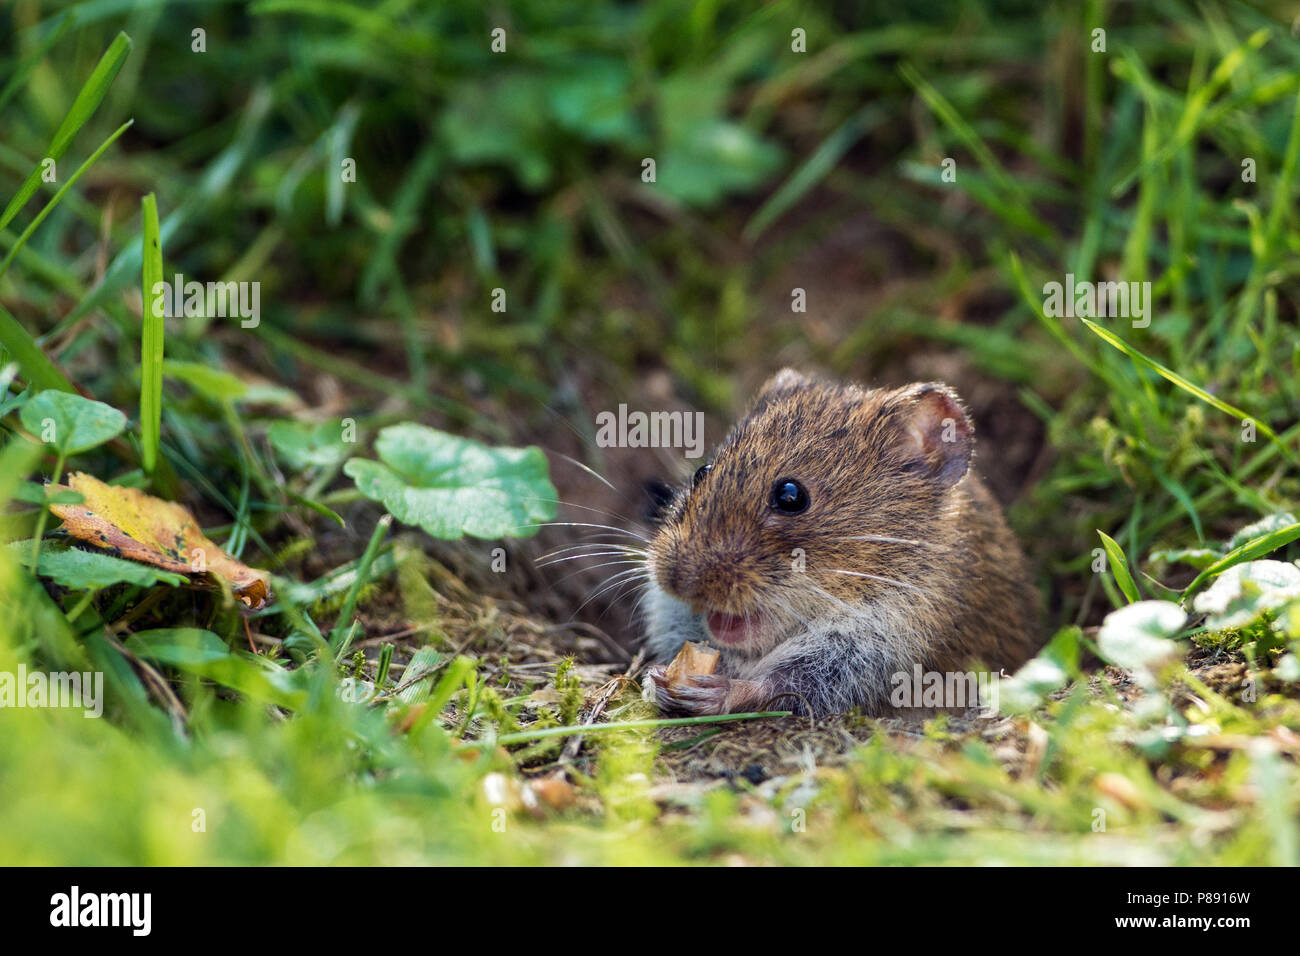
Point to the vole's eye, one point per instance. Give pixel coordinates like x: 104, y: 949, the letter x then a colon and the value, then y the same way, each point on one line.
x: 700, y: 473
x: 789, y: 496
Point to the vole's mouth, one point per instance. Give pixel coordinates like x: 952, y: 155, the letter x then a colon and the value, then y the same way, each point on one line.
x: 731, y: 629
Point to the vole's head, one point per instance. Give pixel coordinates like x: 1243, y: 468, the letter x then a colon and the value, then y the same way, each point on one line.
x: 824, y: 497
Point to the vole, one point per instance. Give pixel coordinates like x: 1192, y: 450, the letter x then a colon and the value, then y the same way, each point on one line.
x: 838, y: 538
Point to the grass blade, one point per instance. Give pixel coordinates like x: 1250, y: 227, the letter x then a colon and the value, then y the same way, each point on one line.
x: 83, y: 107
x: 1282, y: 188
x: 212, y: 184
x: 57, y: 28
x: 1053, y: 325
x: 1119, y: 567
x: 363, y: 575
x: 58, y: 197
x: 821, y: 162
x: 1005, y: 186
x: 544, y: 732
x: 1194, y: 108
x: 1184, y: 384
x: 152, y: 333
x: 38, y: 371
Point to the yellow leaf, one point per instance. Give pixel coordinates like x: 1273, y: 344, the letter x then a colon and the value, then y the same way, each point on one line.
x: 128, y: 523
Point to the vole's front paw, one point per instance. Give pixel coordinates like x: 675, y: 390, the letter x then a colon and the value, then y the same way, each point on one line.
x: 701, y: 695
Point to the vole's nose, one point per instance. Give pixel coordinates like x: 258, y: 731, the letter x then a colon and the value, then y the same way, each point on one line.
x: 676, y: 575
x: 702, y: 575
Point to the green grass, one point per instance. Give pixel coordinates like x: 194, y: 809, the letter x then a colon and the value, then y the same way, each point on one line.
x: 152, y: 336
x: 478, y: 171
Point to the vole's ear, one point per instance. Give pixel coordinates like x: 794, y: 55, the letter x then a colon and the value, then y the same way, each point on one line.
x: 937, y: 432
x: 786, y: 380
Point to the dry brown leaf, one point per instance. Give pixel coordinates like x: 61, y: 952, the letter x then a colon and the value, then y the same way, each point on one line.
x: 555, y: 791
x: 1119, y: 788
x: 128, y: 523
x: 692, y: 660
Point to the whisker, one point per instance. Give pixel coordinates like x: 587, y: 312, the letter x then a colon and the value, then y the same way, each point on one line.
x: 591, y: 554
x: 607, y: 564
x: 885, y: 539
x: 592, y: 544
x: 631, y: 582
x: 564, y: 420
x: 634, y: 572
x: 844, y: 604
x: 645, y: 593
x: 787, y: 607
x: 597, y: 567
x: 876, y: 577
x: 583, y: 524
x: 619, y: 589
x: 617, y: 579
x: 854, y: 612
x: 550, y: 562
x: 574, y: 504
x: 595, y: 474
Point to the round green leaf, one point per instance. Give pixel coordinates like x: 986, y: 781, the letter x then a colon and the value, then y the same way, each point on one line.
x: 594, y: 99
x: 713, y: 159
x: 309, y: 446
x: 1241, y: 594
x: 1138, y: 636
x: 69, y: 422
x: 452, y: 486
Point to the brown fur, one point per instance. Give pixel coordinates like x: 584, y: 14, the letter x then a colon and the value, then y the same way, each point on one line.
x: 951, y: 593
